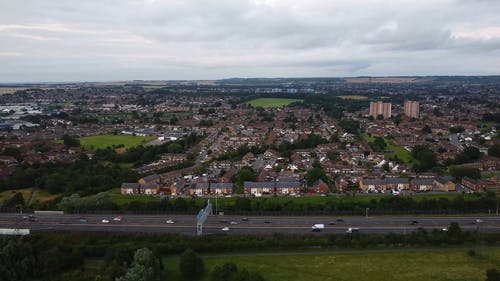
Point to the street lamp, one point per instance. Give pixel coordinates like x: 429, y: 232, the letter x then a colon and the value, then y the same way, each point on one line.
x: 366, y: 212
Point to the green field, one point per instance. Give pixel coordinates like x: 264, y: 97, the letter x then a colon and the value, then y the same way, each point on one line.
x: 271, y: 102
x: 392, y: 149
x: 396, y: 265
x: 103, y: 141
x: 353, y: 97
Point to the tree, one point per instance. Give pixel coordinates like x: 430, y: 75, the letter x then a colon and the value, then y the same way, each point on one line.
x: 244, y: 174
x: 15, y: 200
x: 17, y: 261
x: 426, y: 130
x: 494, y: 150
x: 426, y: 157
x: 380, y: 117
x: 70, y: 141
x: 314, y: 175
x: 460, y: 172
x: 174, y: 148
x: 145, y: 267
x: 469, y: 154
x: 191, y: 265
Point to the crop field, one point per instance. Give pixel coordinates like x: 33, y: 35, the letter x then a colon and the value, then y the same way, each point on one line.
x: 390, y: 265
x: 103, y: 141
x: 272, y: 102
x: 353, y: 97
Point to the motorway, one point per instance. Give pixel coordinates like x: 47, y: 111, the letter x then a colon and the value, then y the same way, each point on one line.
x: 186, y: 224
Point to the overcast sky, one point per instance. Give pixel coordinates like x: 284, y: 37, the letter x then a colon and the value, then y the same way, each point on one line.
x: 99, y: 40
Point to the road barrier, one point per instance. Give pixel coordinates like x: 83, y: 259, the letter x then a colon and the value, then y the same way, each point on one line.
x: 14, y: 231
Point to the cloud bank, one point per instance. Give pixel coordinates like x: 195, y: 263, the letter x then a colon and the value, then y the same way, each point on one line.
x: 95, y: 40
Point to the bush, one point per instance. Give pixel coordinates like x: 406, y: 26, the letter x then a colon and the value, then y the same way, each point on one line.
x: 191, y: 265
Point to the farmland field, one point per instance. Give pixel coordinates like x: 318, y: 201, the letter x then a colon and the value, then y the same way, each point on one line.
x: 272, y: 102
x: 353, y: 97
x: 103, y: 141
x: 395, y: 265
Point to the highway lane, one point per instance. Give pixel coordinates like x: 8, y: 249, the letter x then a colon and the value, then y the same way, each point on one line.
x: 186, y: 224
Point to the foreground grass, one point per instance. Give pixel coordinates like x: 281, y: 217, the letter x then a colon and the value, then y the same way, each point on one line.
x: 359, y: 266
x: 103, y: 141
x: 272, y: 102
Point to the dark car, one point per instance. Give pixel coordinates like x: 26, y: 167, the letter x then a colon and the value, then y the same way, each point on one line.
x: 244, y: 219
x: 414, y: 222
x: 266, y: 221
x: 316, y: 230
x: 340, y: 220
x: 224, y: 221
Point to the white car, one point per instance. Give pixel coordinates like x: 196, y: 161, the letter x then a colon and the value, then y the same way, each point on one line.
x: 170, y: 222
x: 444, y: 229
x: 119, y: 218
x: 225, y: 228
x: 105, y: 221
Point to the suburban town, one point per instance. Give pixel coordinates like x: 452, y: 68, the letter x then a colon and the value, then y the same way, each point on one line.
x: 282, y: 137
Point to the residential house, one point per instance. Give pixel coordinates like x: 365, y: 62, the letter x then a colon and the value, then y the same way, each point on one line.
x: 445, y: 184
x: 474, y: 184
x: 424, y: 184
x: 129, y: 188
x: 320, y: 187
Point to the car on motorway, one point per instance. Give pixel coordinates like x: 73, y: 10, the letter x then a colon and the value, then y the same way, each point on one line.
x: 414, y: 222
x: 233, y: 222
x: 316, y: 230
x: 420, y: 229
x: 444, y: 229
x: 340, y: 220
x: 331, y: 223
x: 82, y: 220
x: 244, y: 219
x: 170, y: 221
x: 223, y: 221
x: 225, y: 228
x: 119, y: 218
x: 479, y: 221
x: 105, y: 221
x: 352, y: 230
x: 267, y: 222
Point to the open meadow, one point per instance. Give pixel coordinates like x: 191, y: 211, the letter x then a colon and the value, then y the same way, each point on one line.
x: 103, y: 141
x: 272, y: 102
x: 389, y: 265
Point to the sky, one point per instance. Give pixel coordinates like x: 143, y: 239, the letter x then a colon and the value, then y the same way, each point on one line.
x: 110, y: 40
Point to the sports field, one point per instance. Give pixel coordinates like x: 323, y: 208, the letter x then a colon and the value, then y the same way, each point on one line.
x: 353, y: 97
x: 272, y: 102
x: 103, y: 141
x: 391, y: 265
